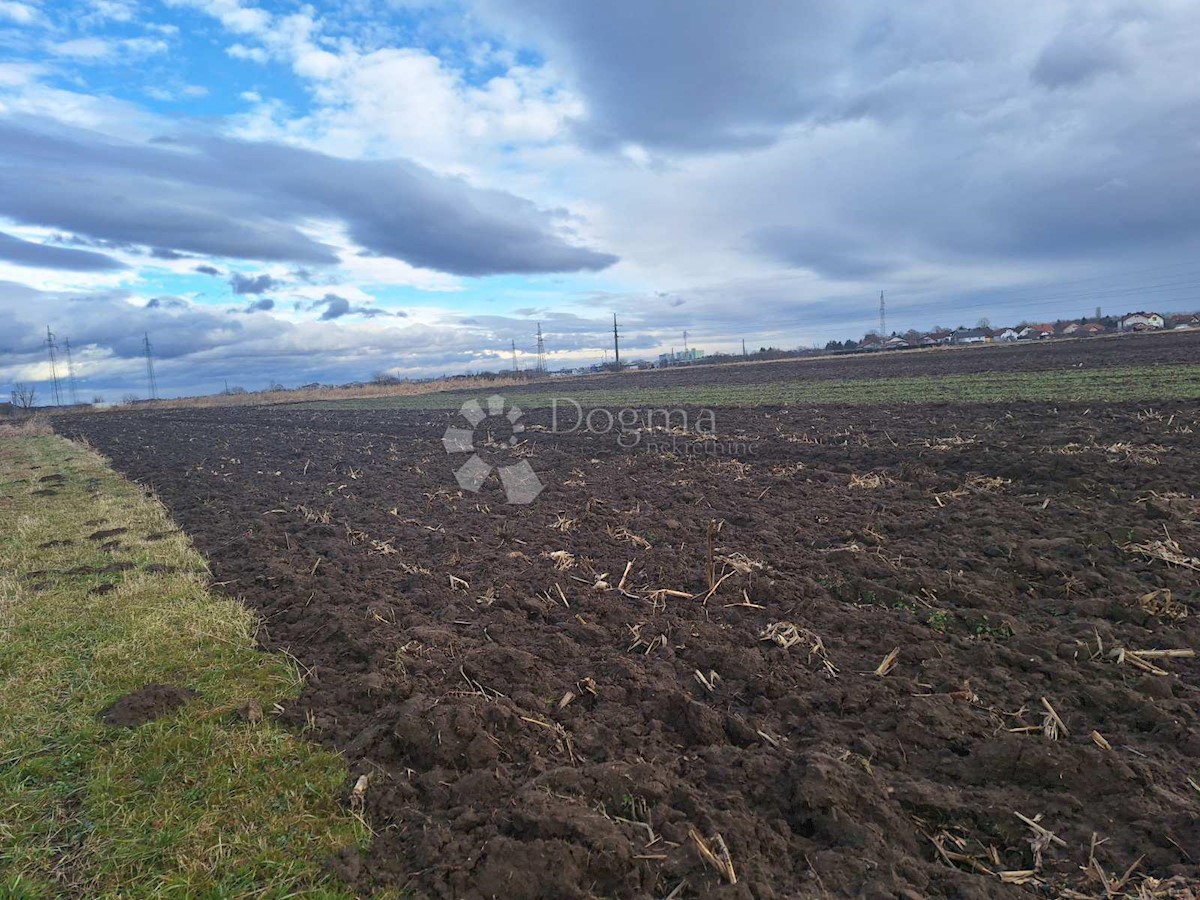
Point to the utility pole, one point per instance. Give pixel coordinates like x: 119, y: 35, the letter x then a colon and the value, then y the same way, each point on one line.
x: 541, y: 351
x: 151, y: 381
x: 71, y: 373
x: 743, y: 347
x: 50, y: 347
x: 616, y: 343
x: 882, y: 317
x: 514, y: 352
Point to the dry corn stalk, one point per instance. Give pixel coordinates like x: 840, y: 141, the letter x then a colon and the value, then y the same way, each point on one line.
x: 889, y: 663
x: 1052, y: 725
x: 789, y: 634
x: 719, y: 857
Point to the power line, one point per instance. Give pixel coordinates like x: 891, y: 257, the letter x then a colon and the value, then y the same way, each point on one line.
x: 71, y: 373
x: 51, y: 347
x: 151, y: 381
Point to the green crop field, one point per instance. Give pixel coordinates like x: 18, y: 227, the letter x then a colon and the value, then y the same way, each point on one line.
x: 1129, y: 383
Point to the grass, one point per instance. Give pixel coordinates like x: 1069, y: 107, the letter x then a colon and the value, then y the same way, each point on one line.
x: 196, y: 804
x: 1133, y: 383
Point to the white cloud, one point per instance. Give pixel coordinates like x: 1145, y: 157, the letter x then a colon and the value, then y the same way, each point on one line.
x: 19, y: 13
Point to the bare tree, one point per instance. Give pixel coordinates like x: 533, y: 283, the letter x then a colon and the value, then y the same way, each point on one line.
x: 24, y: 396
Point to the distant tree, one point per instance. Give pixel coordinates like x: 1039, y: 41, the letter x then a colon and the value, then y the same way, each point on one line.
x: 276, y: 386
x: 834, y: 345
x: 129, y: 399
x: 984, y: 322
x: 24, y: 396
x: 913, y: 336
x: 236, y: 389
x: 384, y: 378
x: 98, y: 399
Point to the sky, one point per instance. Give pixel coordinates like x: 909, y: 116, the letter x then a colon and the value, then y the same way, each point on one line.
x: 297, y: 192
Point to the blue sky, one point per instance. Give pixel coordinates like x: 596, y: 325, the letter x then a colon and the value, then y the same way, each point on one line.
x: 318, y: 192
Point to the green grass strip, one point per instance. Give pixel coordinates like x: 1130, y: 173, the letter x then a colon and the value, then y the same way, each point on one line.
x: 1131, y: 383
x: 196, y: 804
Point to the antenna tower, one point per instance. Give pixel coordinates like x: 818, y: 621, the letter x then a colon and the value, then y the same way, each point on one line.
x: 541, y: 350
x: 882, y: 317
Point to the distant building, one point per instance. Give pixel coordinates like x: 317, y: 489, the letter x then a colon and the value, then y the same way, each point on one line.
x: 6, y: 409
x: 1007, y: 334
x: 682, y: 358
x: 971, y: 336
x: 896, y: 343
x: 1091, y: 329
x: 1184, y: 322
x: 1142, y: 321
x: 1035, y: 332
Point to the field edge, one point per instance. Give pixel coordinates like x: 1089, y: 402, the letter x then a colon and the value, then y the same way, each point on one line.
x: 205, y: 801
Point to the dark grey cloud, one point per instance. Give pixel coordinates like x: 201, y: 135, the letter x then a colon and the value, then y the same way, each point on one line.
x: 196, y: 194
x: 46, y: 256
x: 166, y: 303
x: 336, y: 307
x: 251, y: 284
x: 166, y: 253
x: 704, y: 75
x: 829, y: 255
x: 262, y: 304
x: 209, y: 270
x: 1074, y: 59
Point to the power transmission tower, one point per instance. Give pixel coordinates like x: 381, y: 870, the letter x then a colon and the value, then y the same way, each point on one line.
x: 616, y: 343
x: 51, y: 347
x: 71, y: 373
x: 882, y: 317
x: 743, y: 346
x: 514, y: 352
x: 151, y: 382
x: 541, y: 351
x: 685, y: 347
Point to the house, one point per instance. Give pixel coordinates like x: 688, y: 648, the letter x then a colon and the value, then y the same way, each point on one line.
x: 940, y: 337
x: 871, y: 344
x: 929, y: 341
x: 1008, y: 334
x: 896, y: 343
x: 1142, y: 321
x: 1181, y: 323
x: 972, y: 336
x: 1091, y: 329
x: 1071, y: 328
x: 1036, y: 332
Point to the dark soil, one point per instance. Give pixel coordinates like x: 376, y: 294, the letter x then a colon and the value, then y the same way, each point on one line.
x: 529, y: 730
x: 144, y: 705
x: 106, y: 534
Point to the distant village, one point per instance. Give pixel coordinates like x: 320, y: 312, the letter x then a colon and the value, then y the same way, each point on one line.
x: 984, y: 333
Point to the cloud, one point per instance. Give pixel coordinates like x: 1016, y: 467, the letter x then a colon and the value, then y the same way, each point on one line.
x: 18, y: 13
x: 166, y: 303
x: 829, y: 255
x: 246, y: 284
x: 249, y: 200
x: 336, y: 307
x: 714, y: 75
x: 208, y: 270
x: 43, y: 256
x: 262, y: 304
